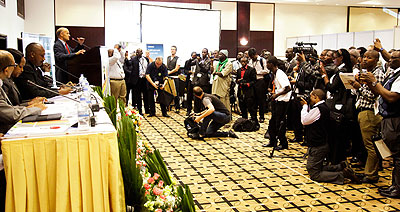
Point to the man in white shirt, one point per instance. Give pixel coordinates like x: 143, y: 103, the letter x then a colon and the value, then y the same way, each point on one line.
x: 280, y: 101
x: 260, y: 64
x: 117, y: 74
x: 316, y: 122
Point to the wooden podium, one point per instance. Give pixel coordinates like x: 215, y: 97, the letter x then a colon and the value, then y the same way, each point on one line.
x: 88, y: 64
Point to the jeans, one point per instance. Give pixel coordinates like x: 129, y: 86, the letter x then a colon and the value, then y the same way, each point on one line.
x: 217, y: 120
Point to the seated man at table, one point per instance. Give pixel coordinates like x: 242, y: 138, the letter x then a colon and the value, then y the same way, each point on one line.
x: 9, y: 114
x: 33, y: 71
x: 9, y: 86
x: 216, y: 113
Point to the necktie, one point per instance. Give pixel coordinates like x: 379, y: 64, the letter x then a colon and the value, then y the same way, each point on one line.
x: 66, y: 46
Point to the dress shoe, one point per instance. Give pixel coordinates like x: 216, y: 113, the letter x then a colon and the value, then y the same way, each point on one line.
x: 262, y: 120
x: 232, y: 134
x: 151, y: 115
x: 386, y: 188
x: 266, y: 135
x: 395, y: 193
x: 281, y: 147
x: 369, y: 180
x: 303, y: 144
x: 343, y: 165
x: 166, y: 115
x: 350, y: 174
x: 269, y: 145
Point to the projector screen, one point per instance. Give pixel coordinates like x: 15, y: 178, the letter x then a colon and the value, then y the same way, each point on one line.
x: 188, y: 29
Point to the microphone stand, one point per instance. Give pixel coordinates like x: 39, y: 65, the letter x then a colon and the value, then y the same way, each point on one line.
x: 65, y: 71
x: 84, y: 45
x: 51, y: 91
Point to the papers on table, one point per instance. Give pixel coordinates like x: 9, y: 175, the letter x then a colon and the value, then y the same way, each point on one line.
x: 346, y: 78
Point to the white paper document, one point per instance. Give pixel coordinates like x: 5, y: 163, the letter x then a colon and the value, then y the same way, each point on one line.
x: 346, y: 78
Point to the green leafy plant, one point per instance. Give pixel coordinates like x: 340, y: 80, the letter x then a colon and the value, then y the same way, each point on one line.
x: 187, y: 203
x: 133, y: 180
x: 155, y: 164
x: 111, y: 109
x: 99, y: 91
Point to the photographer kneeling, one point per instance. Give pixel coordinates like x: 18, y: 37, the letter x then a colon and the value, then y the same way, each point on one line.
x: 316, y: 122
x: 216, y: 113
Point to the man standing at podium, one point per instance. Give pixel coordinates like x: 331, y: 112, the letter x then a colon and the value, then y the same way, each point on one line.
x: 63, y: 52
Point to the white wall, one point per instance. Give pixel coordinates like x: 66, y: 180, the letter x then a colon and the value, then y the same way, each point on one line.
x: 303, y: 20
x: 88, y: 13
x: 228, y: 14
x: 10, y: 23
x: 39, y: 17
x: 261, y: 17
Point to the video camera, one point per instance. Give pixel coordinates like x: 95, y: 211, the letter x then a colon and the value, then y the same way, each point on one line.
x: 308, y: 51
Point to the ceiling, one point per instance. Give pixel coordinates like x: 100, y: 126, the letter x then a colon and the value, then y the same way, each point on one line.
x: 361, y: 3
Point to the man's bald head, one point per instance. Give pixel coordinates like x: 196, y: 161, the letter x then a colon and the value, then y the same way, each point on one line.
x: 62, y: 33
x: 6, y: 59
x: 197, y: 91
x: 158, y: 61
x: 34, y: 53
x: 319, y: 93
x: 6, y: 64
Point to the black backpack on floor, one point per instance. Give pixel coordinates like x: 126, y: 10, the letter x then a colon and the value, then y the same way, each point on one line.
x: 245, y: 125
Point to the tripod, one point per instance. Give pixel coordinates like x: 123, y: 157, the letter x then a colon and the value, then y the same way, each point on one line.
x: 281, y: 125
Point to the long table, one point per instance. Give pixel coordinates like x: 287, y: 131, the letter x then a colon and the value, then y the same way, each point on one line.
x: 51, y: 167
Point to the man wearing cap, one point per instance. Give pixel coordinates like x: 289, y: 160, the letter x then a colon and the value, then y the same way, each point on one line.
x: 222, y: 78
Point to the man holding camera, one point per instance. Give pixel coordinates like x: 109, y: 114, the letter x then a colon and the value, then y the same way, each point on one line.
x: 156, y: 75
x: 369, y: 122
x: 316, y: 122
x: 389, y: 108
x: 280, y: 101
x: 214, y: 117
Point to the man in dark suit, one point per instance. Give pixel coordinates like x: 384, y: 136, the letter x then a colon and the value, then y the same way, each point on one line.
x: 63, y: 52
x: 32, y: 71
x: 136, y: 80
x: 9, y: 86
x: 156, y: 75
x: 246, y: 77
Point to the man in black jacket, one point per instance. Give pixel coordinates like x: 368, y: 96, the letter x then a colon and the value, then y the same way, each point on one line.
x: 136, y: 80
x: 63, y: 52
x: 33, y: 72
x: 200, y: 77
x: 316, y: 122
x: 246, y: 78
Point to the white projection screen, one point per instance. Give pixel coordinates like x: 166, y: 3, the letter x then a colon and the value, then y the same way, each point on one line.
x: 188, y: 29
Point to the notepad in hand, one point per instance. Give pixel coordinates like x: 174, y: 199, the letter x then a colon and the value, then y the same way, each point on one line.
x: 55, y: 116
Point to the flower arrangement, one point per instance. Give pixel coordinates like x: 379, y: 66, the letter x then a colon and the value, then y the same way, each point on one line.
x: 159, y: 197
x: 148, y: 185
x: 132, y: 113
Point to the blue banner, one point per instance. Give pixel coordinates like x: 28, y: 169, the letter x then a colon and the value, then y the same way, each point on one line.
x: 156, y: 50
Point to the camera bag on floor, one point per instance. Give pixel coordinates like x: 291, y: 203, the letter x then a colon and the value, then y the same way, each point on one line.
x: 245, y: 125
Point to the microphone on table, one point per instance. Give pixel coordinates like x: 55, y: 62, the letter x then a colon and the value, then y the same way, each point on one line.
x: 60, y: 83
x: 92, y: 118
x: 67, y: 72
x: 51, y: 91
x: 84, y: 45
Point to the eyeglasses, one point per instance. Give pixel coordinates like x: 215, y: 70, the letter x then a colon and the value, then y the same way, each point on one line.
x: 12, y: 65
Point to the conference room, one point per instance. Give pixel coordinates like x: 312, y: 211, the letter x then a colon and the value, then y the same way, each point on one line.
x: 125, y: 105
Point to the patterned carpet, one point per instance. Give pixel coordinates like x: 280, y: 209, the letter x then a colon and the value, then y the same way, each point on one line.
x: 227, y: 174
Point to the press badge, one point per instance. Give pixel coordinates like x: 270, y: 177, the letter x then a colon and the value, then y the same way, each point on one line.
x: 199, y: 75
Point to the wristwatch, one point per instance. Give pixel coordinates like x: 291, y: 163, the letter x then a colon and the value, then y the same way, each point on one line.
x: 381, y: 49
x: 374, y: 83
